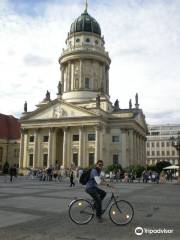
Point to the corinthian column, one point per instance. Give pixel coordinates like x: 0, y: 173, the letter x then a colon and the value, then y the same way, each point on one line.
x: 21, y: 154
x: 80, y: 147
x: 97, y: 143
x: 65, y: 148
x: 50, y: 147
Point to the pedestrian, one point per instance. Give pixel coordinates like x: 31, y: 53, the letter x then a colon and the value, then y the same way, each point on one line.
x: 12, y: 173
x: 72, y: 179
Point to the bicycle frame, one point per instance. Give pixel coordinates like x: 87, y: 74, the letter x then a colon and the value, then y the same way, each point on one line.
x: 109, y: 202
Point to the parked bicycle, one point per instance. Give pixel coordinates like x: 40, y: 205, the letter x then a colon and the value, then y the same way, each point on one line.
x: 82, y: 211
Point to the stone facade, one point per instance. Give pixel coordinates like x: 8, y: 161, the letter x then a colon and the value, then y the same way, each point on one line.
x: 81, y: 125
x: 9, y: 140
x: 158, y: 146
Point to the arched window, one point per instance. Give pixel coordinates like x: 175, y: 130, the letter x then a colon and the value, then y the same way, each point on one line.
x: 77, y: 40
x: 87, y: 40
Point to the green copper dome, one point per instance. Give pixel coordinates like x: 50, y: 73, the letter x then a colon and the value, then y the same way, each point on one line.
x: 85, y: 23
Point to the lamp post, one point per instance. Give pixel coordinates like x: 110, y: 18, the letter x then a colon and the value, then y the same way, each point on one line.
x: 176, y: 144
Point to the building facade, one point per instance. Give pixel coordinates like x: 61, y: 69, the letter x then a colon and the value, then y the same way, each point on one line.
x: 158, y: 145
x: 9, y: 140
x: 81, y: 125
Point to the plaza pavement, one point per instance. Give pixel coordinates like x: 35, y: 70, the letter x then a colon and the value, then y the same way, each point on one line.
x: 34, y: 210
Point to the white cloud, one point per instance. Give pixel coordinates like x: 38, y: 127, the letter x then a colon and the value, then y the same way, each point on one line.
x: 142, y: 37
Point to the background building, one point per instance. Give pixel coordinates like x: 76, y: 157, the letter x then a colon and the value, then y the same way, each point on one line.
x: 158, y: 145
x: 81, y: 125
x: 9, y: 140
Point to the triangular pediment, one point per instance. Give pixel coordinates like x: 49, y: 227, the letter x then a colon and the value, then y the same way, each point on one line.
x: 57, y: 110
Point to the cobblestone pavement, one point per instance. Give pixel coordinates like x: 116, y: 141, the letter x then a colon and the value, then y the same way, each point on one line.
x: 34, y: 210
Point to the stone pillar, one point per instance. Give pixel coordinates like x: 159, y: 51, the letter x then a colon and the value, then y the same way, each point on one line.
x: 54, y: 146
x: 69, y: 77
x: 80, y: 157
x: 62, y: 78
x: 25, y: 152
x: 131, y: 147
x: 65, y: 148
x: 21, y: 153
x: 101, y: 144
x: 36, y: 150
x: 97, y: 144
x: 80, y: 75
x: 50, y: 144
x: 124, y: 148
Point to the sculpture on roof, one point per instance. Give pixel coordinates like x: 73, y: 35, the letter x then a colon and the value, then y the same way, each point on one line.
x: 116, y: 105
x: 25, y: 107
x: 130, y: 104
x: 47, y: 98
x: 59, y: 88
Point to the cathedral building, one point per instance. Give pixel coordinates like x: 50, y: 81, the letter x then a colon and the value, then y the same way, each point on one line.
x: 82, y: 125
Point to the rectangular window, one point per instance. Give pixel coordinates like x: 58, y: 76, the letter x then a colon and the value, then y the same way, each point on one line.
x: 115, y: 139
x: 153, y: 153
x: 173, y: 153
x: 45, y: 159
x: 148, y: 153
x: 157, y: 144
x: 162, y: 153
x: 167, y: 153
x: 158, y: 153
x: 31, y: 139
x: 162, y: 144
x: 75, y: 137
x: 45, y: 138
x: 91, y: 159
x: 75, y: 159
x: 152, y: 144
x: 167, y: 144
x: 91, y: 137
x: 115, y: 159
x: 87, y: 83
x: 147, y: 144
x: 31, y: 160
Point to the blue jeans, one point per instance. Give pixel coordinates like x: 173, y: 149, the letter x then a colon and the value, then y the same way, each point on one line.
x: 98, y: 195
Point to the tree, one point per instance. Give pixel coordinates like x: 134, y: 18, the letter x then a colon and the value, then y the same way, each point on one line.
x: 161, y: 165
x: 136, y: 169
x: 6, y: 168
x: 113, y: 168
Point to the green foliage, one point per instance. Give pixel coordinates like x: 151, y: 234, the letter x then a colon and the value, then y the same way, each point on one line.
x: 113, y: 168
x: 151, y: 167
x: 161, y: 165
x: 6, y: 168
x: 136, y: 169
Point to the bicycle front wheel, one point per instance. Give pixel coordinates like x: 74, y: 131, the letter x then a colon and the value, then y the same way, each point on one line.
x: 81, y: 211
x: 121, y: 212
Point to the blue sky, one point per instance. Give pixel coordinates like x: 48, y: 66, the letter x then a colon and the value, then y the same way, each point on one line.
x: 142, y: 38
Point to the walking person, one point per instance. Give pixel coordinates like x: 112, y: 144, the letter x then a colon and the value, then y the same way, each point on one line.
x: 72, y: 179
x: 12, y: 173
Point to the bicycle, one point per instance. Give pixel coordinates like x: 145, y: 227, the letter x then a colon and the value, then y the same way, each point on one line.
x: 82, y: 211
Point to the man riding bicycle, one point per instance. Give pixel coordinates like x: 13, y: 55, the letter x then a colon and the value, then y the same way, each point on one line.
x: 92, y: 188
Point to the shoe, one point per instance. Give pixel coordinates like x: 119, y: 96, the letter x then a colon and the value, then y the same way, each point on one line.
x: 99, y: 219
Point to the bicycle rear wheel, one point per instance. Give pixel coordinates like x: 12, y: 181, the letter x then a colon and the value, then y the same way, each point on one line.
x: 81, y: 211
x: 121, y: 212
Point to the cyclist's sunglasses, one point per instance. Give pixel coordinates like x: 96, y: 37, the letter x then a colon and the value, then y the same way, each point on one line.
x: 100, y: 164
